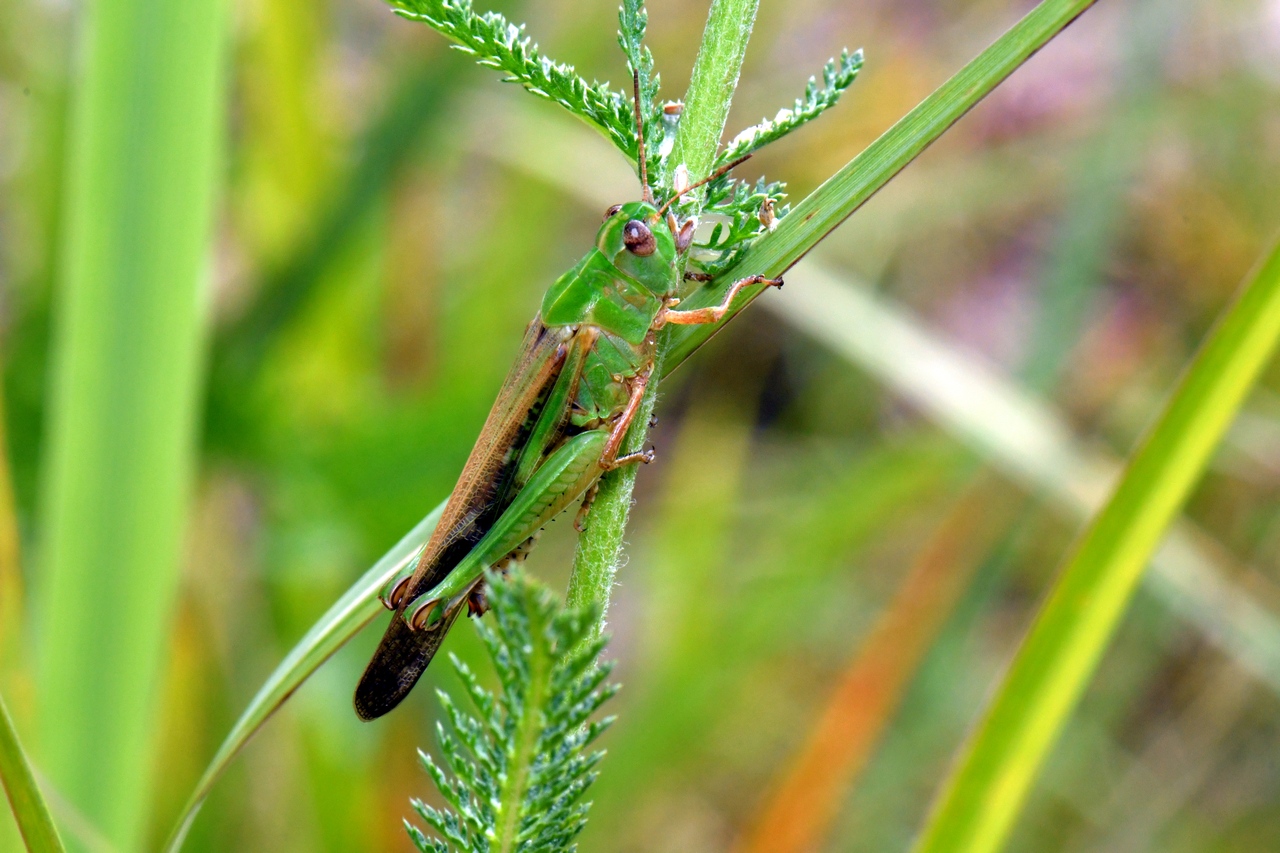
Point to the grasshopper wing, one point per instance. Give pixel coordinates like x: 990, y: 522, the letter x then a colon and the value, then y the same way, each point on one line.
x: 482, y: 493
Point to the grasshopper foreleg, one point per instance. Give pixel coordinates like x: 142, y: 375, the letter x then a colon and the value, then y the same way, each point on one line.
x: 713, y: 313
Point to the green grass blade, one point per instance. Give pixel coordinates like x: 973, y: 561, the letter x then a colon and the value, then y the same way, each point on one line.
x: 847, y: 190
x: 984, y: 794
x: 357, y: 607
x: 144, y: 148
x: 34, y: 821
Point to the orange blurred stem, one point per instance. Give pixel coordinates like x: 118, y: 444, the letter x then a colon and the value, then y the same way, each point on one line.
x: 799, y: 815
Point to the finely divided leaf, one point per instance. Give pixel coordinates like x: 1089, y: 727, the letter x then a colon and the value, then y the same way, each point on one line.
x: 742, y: 212
x: 498, y: 43
x: 513, y: 775
x: 633, y: 20
x: 837, y: 75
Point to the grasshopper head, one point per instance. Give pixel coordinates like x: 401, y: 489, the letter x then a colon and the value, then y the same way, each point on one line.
x: 639, y: 242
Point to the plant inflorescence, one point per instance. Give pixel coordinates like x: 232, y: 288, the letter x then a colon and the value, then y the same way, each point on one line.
x: 515, y: 771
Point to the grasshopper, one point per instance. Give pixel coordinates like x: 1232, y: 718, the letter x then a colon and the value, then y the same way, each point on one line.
x: 557, y: 425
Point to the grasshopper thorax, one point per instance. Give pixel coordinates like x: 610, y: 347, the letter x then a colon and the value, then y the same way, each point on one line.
x: 621, y: 284
x: 636, y: 239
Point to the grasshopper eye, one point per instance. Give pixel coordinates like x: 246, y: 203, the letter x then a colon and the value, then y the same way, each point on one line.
x: 638, y: 239
x: 612, y: 211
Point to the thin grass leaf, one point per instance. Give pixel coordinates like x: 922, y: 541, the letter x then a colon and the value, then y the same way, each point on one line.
x: 34, y: 821
x: 357, y: 607
x: 984, y: 794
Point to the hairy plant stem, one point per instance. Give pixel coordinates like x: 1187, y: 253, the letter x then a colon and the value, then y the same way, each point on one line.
x: 715, y: 76
x: 711, y: 88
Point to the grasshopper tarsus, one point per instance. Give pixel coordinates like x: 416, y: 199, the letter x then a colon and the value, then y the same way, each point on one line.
x: 584, y: 509
x: 698, y: 276
x: 391, y: 600
x: 644, y: 456
x: 758, y: 279
x: 478, y: 601
x: 421, y: 616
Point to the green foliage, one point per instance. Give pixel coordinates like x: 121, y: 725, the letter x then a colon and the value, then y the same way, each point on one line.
x: 633, y: 20
x: 497, y: 43
x: 515, y: 774
x: 837, y: 75
x: 19, y: 783
x: 743, y: 211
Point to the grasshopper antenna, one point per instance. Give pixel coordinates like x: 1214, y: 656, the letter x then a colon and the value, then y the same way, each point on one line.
x: 708, y: 179
x: 644, y: 166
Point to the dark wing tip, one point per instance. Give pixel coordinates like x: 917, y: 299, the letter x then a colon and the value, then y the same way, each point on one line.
x: 401, y: 658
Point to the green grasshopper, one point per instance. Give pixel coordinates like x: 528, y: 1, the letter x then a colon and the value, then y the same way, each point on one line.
x: 557, y: 425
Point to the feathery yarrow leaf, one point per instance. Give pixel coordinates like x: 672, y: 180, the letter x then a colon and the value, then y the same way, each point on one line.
x: 837, y: 75
x: 528, y: 747
x: 741, y: 211
x: 497, y: 43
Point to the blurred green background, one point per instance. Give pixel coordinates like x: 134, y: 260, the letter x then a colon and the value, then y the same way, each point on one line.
x: 840, y: 545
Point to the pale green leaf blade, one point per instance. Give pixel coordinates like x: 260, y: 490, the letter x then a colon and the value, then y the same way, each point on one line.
x: 144, y: 142
x: 984, y: 794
